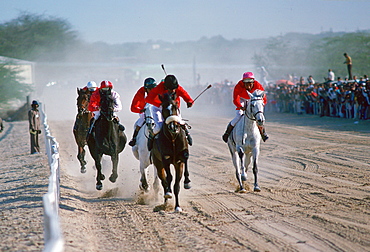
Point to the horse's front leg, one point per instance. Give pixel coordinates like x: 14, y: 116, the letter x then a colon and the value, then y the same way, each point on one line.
x: 236, y: 158
x: 81, y: 158
x: 99, y: 176
x: 187, y: 182
x: 255, y: 171
x: 161, y: 173
x: 143, y: 181
x: 167, y: 168
x: 179, y: 167
x: 113, y: 177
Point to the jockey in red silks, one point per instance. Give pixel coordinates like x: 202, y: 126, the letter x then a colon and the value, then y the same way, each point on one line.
x: 94, y: 105
x: 168, y: 85
x: 240, y: 97
x: 138, y: 106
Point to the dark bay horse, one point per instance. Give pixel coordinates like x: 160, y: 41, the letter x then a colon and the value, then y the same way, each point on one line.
x: 171, y: 147
x: 81, y: 126
x: 106, y: 138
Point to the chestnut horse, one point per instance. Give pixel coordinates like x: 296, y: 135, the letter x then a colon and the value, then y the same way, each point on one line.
x: 171, y: 147
x: 81, y: 126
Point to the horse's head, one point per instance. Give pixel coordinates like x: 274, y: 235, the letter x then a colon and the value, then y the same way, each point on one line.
x: 149, y: 121
x: 170, y: 112
x: 169, y: 104
x: 82, y: 100
x: 106, y: 104
x: 255, y: 107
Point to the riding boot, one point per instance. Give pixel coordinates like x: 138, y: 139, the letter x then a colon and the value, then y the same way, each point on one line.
x: 227, y: 133
x: 187, y: 133
x: 91, y: 127
x: 120, y: 126
x: 263, y: 133
x: 133, y: 140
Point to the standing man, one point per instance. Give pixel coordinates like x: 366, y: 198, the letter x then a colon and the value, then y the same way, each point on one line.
x: 331, y: 75
x: 34, y: 127
x: 349, y: 65
x: 1, y: 125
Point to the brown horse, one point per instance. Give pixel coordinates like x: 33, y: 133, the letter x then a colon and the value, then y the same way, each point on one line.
x: 81, y: 126
x: 171, y: 147
x: 106, y: 138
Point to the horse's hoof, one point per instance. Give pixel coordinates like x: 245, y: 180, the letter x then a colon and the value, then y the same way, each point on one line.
x: 178, y: 209
x: 168, y: 195
x: 187, y: 185
x: 113, y: 178
x: 144, y: 188
x: 244, y: 177
x: 257, y: 189
x: 99, y: 187
x: 242, y: 190
x: 83, y: 169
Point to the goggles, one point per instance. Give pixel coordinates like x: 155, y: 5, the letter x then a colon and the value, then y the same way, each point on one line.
x: 105, y: 88
x: 248, y: 80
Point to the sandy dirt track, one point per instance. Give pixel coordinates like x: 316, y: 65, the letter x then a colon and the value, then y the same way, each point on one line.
x: 314, y: 176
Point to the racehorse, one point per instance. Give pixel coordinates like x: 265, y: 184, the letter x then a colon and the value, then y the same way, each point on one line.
x: 106, y: 138
x: 171, y: 147
x: 244, y: 142
x: 141, y: 152
x: 81, y: 126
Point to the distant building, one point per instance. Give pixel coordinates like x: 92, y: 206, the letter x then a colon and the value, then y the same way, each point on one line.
x: 25, y: 68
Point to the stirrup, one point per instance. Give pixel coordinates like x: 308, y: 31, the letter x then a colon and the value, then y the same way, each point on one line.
x: 265, y: 137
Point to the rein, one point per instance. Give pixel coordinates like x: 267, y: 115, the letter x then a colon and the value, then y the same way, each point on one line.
x: 253, y: 118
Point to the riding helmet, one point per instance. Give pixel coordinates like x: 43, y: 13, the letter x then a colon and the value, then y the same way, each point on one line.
x: 34, y: 103
x: 91, y: 85
x: 170, y: 82
x: 106, y: 84
x: 150, y: 83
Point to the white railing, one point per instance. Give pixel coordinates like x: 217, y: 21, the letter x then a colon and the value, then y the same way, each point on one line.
x: 53, y: 238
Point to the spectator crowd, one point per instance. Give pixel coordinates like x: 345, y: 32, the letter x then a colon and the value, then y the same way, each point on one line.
x: 334, y: 98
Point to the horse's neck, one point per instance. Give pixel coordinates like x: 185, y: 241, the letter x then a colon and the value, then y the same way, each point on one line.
x: 246, y: 125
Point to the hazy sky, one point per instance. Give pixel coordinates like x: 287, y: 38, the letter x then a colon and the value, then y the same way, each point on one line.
x: 119, y: 21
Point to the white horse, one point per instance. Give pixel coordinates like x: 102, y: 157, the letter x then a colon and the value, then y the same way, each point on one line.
x: 244, y: 142
x: 141, y: 152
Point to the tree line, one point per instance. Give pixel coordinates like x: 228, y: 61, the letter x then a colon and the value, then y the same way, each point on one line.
x: 41, y: 38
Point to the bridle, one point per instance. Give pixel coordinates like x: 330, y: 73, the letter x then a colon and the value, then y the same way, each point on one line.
x: 82, y: 107
x: 250, y: 115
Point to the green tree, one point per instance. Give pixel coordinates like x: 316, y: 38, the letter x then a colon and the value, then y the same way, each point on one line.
x: 36, y: 37
x: 10, y: 85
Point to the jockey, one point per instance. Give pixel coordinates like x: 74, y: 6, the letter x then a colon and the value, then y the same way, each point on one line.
x: 90, y: 86
x: 168, y: 85
x: 138, y: 106
x: 94, y: 104
x: 240, y: 96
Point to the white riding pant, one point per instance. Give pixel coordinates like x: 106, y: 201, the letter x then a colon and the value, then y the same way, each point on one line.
x: 238, y: 113
x: 140, y: 121
x: 156, y: 113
